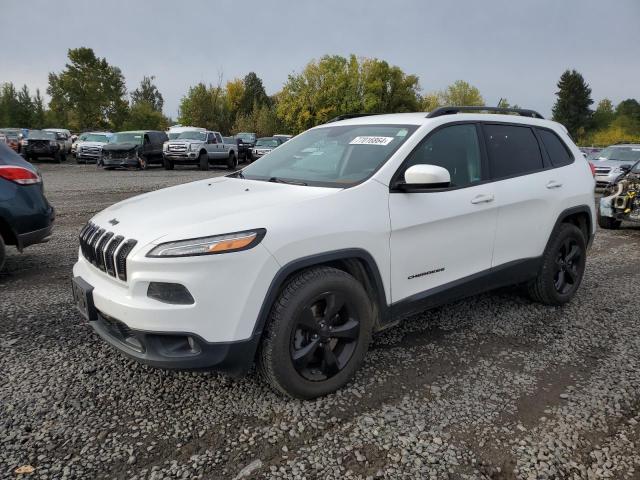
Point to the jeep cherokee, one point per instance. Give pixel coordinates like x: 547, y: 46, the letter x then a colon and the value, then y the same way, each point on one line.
x: 296, y: 260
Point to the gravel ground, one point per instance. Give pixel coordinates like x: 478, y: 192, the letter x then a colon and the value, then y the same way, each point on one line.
x: 493, y: 387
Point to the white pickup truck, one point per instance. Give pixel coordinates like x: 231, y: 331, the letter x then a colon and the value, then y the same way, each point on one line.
x: 197, y: 147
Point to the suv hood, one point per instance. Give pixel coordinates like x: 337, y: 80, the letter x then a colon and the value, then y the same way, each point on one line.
x: 119, y: 147
x: 202, y: 208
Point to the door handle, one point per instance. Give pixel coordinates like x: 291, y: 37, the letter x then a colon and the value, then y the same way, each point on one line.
x: 553, y: 184
x: 482, y: 199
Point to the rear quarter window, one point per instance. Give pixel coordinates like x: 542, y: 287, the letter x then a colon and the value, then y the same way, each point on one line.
x: 558, y: 152
x: 513, y: 150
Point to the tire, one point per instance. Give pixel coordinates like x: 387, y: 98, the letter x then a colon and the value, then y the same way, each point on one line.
x: 290, y: 333
x: 232, y: 161
x: 58, y: 157
x: 203, y: 161
x: 249, y: 157
x: 63, y: 157
x: 142, y: 163
x: 3, y: 253
x: 608, y: 223
x: 168, y: 164
x: 563, y: 264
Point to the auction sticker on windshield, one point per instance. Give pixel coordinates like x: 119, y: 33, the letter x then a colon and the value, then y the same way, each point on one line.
x: 371, y: 141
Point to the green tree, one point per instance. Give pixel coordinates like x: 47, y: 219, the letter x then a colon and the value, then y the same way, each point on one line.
x: 262, y: 120
x: 38, y: 118
x: 142, y: 116
x: 24, y: 112
x: 9, y: 105
x: 149, y: 93
x: 628, y: 115
x: 88, y: 93
x: 461, y: 93
x: 572, y: 106
x: 336, y: 85
x: 253, y: 94
x: 603, y: 115
x: 206, y: 107
x: 430, y: 102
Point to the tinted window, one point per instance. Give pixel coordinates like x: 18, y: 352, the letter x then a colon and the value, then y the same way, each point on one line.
x: 218, y: 137
x: 454, y: 148
x: 512, y: 150
x: 211, y: 138
x: 558, y: 153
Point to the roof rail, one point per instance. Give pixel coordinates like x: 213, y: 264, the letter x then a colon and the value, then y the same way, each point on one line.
x: 438, y: 112
x: 347, y: 116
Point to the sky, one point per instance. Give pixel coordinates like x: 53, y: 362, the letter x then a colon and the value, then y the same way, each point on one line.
x: 516, y: 49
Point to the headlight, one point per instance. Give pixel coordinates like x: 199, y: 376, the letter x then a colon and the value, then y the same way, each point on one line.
x: 52, y: 142
x: 24, y: 143
x: 165, y: 146
x: 194, y: 146
x: 231, y: 242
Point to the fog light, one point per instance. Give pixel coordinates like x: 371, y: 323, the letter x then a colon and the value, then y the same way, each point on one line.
x: 172, y: 293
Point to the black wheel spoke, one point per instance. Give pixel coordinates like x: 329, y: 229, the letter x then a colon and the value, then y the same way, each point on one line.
x: 348, y: 330
x: 573, y: 253
x: 304, y: 355
x: 560, y: 282
x: 335, y: 303
x: 308, y: 321
x: 572, y: 274
x: 330, y: 361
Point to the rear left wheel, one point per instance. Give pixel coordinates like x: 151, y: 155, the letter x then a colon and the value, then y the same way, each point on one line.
x: 318, y: 333
x: 562, y: 269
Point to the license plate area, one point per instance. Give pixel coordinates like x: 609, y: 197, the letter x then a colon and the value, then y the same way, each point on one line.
x: 83, y: 298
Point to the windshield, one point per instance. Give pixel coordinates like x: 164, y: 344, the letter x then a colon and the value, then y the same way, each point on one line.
x: 127, y: 137
x: 193, y: 135
x: 267, y: 142
x: 620, y: 154
x: 339, y: 156
x: 247, y: 137
x: 41, y: 135
x: 94, y: 137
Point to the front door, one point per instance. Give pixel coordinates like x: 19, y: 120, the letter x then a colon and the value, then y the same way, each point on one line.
x: 445, y: 235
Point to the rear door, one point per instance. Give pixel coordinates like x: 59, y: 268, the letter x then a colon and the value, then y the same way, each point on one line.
x: 523, y: 189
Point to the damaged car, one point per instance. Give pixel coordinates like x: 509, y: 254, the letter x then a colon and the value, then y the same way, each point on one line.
x: 620, y: 201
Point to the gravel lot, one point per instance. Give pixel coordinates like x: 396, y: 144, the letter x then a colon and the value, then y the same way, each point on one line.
x: 494, y: 387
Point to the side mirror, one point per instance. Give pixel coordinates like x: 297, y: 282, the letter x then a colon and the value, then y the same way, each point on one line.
x: 625, y: 168
x: 425, y: 176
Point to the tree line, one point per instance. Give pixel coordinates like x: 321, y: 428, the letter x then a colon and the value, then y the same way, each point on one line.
x: 89, y: 93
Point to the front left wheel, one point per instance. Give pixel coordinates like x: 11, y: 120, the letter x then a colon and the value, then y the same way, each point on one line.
x: 318, y: 333
x: 232, y: 161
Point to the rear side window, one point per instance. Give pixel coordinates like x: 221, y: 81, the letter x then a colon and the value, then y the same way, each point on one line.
x: 512, y: 150
x: 556, y: 149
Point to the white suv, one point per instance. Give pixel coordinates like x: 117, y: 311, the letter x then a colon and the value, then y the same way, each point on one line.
x: 344, y: 230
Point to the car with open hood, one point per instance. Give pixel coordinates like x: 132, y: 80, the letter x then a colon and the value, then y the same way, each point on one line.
x: 620, y: 199
x: 295, y: 261
x: 133, y: 149
x: 610, y: 162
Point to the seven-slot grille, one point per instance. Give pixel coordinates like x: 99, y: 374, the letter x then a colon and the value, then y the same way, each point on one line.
x: 105, y: 251
x: 90, y: 150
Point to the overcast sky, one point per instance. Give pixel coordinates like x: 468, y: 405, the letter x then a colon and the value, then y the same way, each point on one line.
x: 507, y: 48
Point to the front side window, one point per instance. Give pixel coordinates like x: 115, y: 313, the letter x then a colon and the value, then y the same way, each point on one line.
x: 332, y: 156
x: 556, y: 149
x: 455, y: 148
x: 218, y: 137
x: 512, y: 150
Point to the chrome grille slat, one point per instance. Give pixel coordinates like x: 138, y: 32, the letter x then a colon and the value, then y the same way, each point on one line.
x: 108, y: 253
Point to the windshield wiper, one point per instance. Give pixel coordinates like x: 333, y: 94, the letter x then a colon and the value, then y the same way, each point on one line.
x: 288, y: 182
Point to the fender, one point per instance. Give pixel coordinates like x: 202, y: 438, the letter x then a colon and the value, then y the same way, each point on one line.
x: 278, y: 281
x: 572, y: 211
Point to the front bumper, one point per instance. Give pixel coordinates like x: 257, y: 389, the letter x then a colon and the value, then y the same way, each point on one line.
x: 187, y: 157
x: 120, y: 162
x: 183, y: 350
x: 227, y: 290
x: 88, y: 157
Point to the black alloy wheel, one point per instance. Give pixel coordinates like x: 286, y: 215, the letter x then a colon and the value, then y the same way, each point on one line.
x: 325, y: 336
x: 569, y: 262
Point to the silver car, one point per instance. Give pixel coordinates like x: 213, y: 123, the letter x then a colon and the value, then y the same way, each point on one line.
x: 613, y: 161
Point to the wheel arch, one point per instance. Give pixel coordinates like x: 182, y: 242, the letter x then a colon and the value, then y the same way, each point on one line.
x: 6, y: 232
x: 357, y: 262
x: 580, y: 216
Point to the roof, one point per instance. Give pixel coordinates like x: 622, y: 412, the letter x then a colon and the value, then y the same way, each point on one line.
x: 420, y: 118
